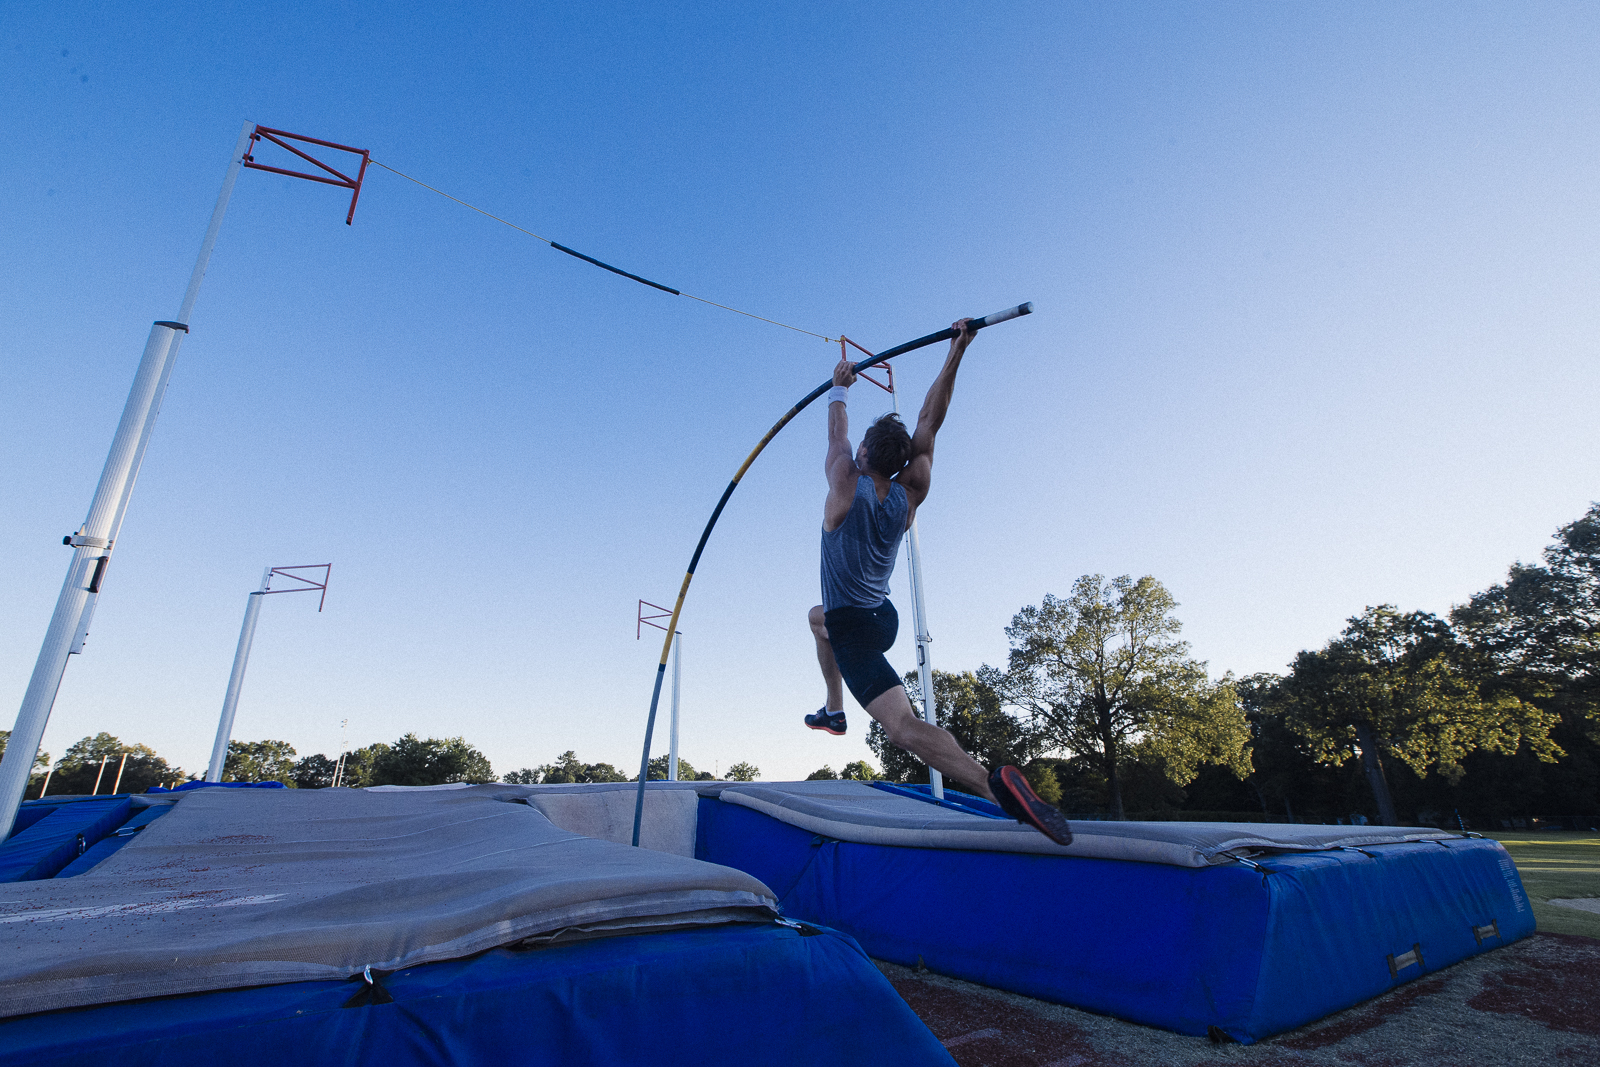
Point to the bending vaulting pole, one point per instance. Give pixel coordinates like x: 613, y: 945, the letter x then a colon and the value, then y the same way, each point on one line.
x: 95, y: 540
x: 694, y: 561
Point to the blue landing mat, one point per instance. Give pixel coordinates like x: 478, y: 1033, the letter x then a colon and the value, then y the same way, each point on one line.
x: 733, y: 995
x: 58, y: 837
x: 1252, y: 952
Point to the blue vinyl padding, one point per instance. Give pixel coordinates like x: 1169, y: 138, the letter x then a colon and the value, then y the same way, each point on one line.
x: 28, y: 814
x: 50, y: 844
x: 31, y: 811
x: 187, y: 786
x: 109, y: 845
x: 731, y: 995
x: 1176, y: 947
x: 953, y: 799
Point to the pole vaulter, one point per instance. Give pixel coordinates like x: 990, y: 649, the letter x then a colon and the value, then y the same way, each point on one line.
x: 694, y: 561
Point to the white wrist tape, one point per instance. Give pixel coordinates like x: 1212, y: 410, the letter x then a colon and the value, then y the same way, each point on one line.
x: 839, y: 394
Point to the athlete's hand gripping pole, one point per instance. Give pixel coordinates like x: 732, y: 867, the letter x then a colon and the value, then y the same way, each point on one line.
x: 677, y: 608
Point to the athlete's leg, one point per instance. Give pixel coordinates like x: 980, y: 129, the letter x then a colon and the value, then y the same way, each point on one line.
x: 825, y: 660
x: 933, y: 745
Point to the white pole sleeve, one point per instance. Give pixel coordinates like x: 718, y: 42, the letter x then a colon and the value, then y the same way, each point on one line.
x: 230, y: 703
x: 240, y: 150
x: 677, y: 678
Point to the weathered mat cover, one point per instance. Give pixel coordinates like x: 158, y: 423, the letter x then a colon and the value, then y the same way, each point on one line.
x: 854, y: 811
x: 255, y: 887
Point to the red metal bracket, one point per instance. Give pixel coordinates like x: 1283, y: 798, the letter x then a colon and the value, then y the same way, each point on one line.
x: 644, y: 620
x: 889, y: 370
x: 307, y: 585
x: 343, y: 181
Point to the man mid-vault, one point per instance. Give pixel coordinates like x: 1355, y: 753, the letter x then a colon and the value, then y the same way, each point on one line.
x: 873, y: 494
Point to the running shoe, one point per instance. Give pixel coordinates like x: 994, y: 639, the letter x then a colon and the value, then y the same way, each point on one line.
x: 1018, y: 800
x: 822, y: 719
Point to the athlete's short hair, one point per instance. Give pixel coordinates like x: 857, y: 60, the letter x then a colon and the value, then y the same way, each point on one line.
x: 888, y: 445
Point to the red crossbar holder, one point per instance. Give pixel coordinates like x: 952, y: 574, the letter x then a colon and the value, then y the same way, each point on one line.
x: 649, y: 620
x: 307, y: 585
x: 844, y: 353
x: 281, y: 138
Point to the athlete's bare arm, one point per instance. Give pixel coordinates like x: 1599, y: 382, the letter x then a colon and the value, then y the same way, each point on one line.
x: 918, y: 474
x: 840, y: 465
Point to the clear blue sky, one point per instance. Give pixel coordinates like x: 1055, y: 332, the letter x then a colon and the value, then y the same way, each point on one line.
x: 1316, y: 329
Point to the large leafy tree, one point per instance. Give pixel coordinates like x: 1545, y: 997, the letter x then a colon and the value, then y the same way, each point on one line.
x: 743, y: 772
x: 260, y: 761
x: 360, y: 766
x: 314, y: 772
x: 1401, y: 686
x: 567, y: 768
x: 1540, y: 628
x: 859, y: 771
x: 80, y: 767
x: 429, y: 761
x: 686, y: 771
x: 972, y: 710
x: 1103, y: 673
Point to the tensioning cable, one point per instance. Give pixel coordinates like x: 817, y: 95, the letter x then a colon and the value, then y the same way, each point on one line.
x: 603, y: 266
x: 705, y: 535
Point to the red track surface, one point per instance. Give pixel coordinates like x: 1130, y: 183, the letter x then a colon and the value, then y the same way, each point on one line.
x: 1533, y: 1003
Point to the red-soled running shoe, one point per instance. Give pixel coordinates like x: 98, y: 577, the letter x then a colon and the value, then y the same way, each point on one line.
x: 831, y: 722
x: 1018, y: 800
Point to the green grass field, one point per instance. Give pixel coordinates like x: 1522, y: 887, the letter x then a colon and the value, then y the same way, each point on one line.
x: 1558, y: 864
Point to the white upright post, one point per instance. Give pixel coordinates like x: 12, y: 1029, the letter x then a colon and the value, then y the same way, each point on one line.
x: 93, y: 542
x: 677, y: 677
x: 919, y: 621
x: 241, y: 659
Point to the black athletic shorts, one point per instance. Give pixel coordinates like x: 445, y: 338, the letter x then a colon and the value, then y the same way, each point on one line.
x: 860, y: 637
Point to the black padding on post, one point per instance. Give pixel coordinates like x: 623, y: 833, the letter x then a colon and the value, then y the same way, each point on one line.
x: 99, y: 573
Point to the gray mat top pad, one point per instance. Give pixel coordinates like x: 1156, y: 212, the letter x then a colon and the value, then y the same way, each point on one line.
x: 854, y: 811
x: 256, y: 887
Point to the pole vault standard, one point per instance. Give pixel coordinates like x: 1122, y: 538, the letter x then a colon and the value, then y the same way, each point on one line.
x: 919, y: 611
x: 241, y: 654
x: 93, y: 543
x: 919, y: 606
x: 705, y: 535
x: 677, y: 677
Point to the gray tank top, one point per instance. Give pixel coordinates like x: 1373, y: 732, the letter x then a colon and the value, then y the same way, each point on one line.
x: 858, y: 557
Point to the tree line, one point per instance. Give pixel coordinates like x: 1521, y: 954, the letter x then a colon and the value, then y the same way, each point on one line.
x: 104, y: 764
x: 1404, y: 716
